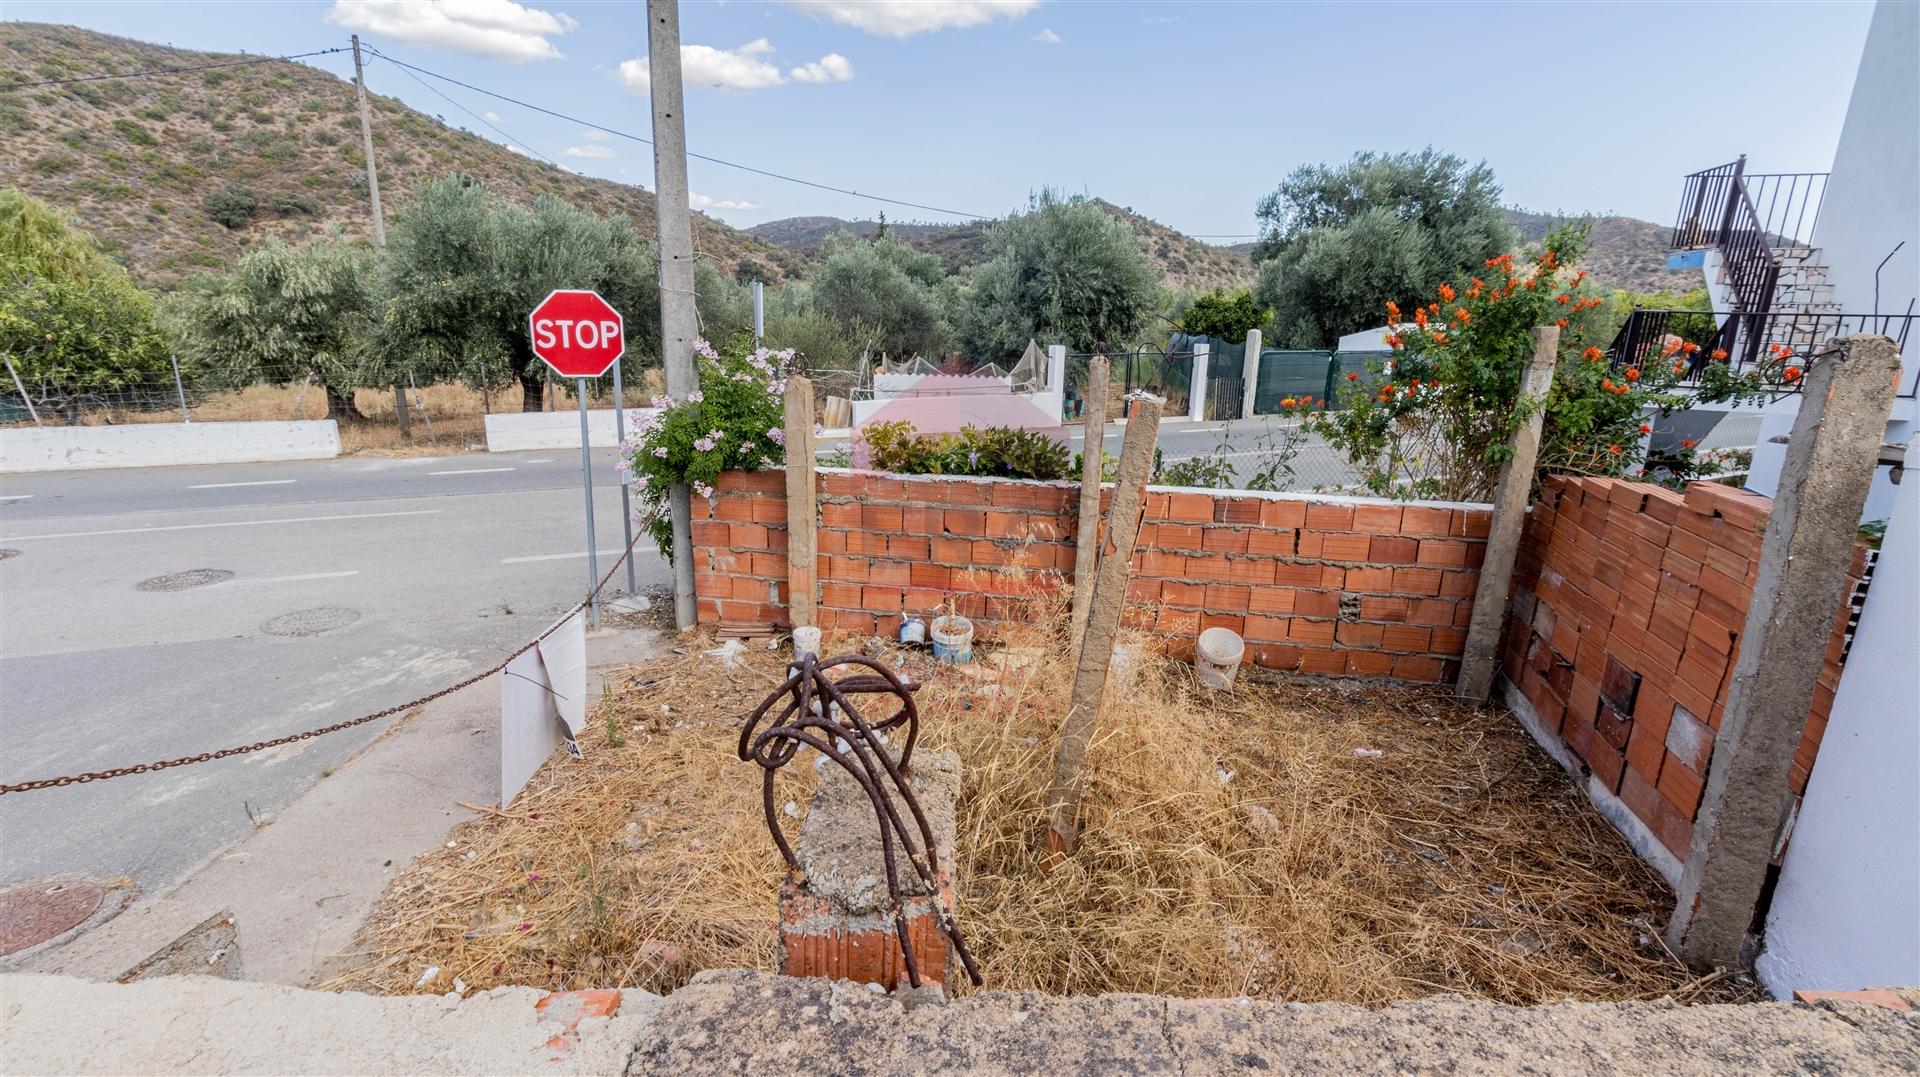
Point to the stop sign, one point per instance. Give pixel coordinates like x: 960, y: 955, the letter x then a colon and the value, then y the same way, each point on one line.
x: 577, y: 333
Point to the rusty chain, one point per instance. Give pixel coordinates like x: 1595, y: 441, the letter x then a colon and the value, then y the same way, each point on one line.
x: 398, y: 708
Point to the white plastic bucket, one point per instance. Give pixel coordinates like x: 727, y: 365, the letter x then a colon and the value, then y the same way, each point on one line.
x: 952, y: 638
x: 806, y: 640
x: 1216, y: 657
x: 913, y: 630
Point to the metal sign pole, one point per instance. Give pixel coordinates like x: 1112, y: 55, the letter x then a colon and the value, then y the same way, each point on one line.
x: 586, y: 480
x: 626, y: 496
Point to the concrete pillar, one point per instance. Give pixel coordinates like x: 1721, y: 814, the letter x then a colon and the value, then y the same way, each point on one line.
x: 1197, y: 388
x: 1830, y: 465
x: 1056, y: 368
x: 803, y: 519
x: 1482, y: 655
x: 1250, y: 374
x: 837, y: 920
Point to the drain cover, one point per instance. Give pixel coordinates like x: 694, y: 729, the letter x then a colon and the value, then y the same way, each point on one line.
x: 181, y: 581
x: 310, y: 622
x: 33, y: 913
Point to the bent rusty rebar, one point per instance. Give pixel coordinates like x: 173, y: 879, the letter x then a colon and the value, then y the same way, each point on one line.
x: 819, y: 713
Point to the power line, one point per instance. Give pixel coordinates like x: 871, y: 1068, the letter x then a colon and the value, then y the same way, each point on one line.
x: 617, y: 133
x: 478, y: 119
x: 170, y: 70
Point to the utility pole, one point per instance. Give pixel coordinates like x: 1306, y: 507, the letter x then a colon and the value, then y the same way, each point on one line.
x: 379, y: 219
x: 673, y: 219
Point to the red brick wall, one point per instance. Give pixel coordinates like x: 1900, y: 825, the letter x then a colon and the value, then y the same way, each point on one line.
x: 1314, y: 584
x: 1639, y: 580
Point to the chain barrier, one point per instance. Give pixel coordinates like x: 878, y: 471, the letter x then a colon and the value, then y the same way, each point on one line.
x: 398, y: 708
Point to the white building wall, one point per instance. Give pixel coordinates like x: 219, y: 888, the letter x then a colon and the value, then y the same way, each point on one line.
x: 1846, y: 913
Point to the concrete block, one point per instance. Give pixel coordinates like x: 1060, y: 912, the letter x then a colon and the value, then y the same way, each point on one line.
x: 79, y: 448
x: 516, y: 431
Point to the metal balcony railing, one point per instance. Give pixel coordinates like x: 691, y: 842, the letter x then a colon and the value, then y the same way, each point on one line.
x: 1747, y: 338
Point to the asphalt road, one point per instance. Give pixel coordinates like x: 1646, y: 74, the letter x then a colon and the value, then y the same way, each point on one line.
x: 429, y: 569
x: 437, y: 566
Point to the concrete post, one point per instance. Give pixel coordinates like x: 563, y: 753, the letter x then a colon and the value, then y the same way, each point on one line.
x: 673, y: 228
x: 1093, y: 453
x: 1250, y: 374
x: 802, y: 494
x: 1103, y: 624
x: 1831, y: 457
x: 1510, y: 498
x: 1197, y: 387
x: 1057, y: 369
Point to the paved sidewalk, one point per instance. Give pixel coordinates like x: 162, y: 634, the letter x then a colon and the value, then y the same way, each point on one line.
x: 299, y: 886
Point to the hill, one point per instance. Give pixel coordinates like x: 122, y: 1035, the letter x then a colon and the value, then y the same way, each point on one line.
x: 1182, y: 260
x: 136, y: 160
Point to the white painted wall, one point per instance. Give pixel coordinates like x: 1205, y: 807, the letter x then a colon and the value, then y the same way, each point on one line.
x: 515, y: 431
x: 1777, y: 422
x: 1846, y: 913
x: 77, y: 448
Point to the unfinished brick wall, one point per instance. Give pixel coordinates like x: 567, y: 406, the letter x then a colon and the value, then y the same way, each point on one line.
x: 1629, y: 604
x: 1339, y: 586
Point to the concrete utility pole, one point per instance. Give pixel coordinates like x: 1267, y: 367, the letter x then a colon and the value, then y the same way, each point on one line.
x: 674, y: 226
x: 1831, y: 457
x: 379, y: 218
x: 1482, y: 654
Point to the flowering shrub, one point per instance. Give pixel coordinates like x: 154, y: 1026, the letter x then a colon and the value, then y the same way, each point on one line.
x: 736, y: 420
x: 1435, y: 420
x: 996, y: 450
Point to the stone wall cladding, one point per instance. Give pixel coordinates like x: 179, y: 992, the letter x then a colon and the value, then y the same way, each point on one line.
x: 1327, y: 585
x: 1628, y: 607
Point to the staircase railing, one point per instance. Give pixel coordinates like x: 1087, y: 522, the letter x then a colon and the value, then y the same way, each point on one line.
x: 1746, y: 336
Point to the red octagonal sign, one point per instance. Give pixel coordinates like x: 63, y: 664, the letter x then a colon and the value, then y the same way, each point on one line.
x: 577, y: 333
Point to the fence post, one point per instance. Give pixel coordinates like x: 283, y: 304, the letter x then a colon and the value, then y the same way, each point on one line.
x: 24, y: 398
x: 178, y: 387
x: 1250, y: 374
x: 1197, y: 384
x: 1831, y: 457
x: 1482, y: 653
x: 1057, y: 369
x: 1093, y: 454
x: 802, y: 494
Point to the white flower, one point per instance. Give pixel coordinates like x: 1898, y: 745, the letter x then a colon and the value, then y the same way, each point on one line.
x: 776, y: 435
x: 660, y: 451
x: 696, y: 396
x: 702, y: 489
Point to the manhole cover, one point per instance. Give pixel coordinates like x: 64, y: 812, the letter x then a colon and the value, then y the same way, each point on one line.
x: 33, y: 913
x: 4, y: 554
x: 181, y: 581
x: 310, y: 622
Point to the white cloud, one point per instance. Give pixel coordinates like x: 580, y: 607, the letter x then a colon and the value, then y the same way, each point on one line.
x: 832, y: 67
x: 594, y: 152
x: 490, y: 117
x: 905, y: 18
x: 596, y: 136
x: 1047, y: 37
x: 701, y: 201
x: 492, y: 29
x: 740, y: 70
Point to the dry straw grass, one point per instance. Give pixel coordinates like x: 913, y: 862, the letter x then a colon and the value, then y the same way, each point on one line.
x: 1244, y: 843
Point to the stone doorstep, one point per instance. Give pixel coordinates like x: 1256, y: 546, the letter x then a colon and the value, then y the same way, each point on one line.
x: 1876, y: 996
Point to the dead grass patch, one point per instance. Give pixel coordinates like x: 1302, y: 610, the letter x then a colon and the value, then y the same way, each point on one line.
x: 1249, y: 843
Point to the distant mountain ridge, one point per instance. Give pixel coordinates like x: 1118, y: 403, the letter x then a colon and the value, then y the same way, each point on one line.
x: 135, y: 160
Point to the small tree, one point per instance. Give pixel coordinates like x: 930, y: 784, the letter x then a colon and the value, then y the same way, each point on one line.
x: 232, y: 206
x: 1224, y: 315
x: 71, y: 320
x: 885, y: 294
x: 1063, y: 270
x: 284, y: 315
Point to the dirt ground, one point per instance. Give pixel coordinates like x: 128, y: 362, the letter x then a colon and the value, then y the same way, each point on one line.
x: 1311, y: 841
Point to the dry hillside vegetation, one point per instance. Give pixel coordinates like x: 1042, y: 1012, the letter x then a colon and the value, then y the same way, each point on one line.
x: 135, y: 160
x: 1301, y: 841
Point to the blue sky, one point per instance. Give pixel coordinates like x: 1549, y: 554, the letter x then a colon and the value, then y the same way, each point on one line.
x: 1187, y: 112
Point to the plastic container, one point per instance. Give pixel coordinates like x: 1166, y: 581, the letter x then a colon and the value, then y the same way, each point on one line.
x: 806, y: 640
x: 1217, y: 655
x: 913, y: 630
x: 952, y: 638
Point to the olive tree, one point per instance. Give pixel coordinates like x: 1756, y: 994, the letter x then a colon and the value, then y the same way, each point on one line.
x: 884, y: 294
x: 1065, y: 270
x: 71, y: 321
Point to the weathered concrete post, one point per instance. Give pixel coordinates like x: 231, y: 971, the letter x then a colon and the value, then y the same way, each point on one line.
x: 802, y: 514
x: 1093, y: 455
x: 1482, y: 656
x: 1103, y: 624
x: 1831, y: 456
x: 1197, y: 384
x: 1056, y: 381
x: 1250, y: 374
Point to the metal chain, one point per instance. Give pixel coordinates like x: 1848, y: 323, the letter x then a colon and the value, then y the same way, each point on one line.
x: 143, y: 768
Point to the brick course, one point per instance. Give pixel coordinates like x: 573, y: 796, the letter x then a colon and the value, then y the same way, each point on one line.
x: 1342, y: 586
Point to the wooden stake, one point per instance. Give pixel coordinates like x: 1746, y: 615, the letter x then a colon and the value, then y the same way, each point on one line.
x: 1103, y: 625
x: 802, y: 516
x: 1086, y: 552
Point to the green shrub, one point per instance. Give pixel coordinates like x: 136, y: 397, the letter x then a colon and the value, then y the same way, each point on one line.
x: 993, y: 451
x: 287, y: 205
x: 55, y: 163
x: 215, y: 78
x: 232, y: 206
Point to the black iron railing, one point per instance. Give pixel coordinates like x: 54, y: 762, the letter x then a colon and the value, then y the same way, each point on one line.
x: 1784, y: 207
x: 1747, y: 338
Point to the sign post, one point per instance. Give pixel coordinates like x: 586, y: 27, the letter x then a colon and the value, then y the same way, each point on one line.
x: 626, y: 496
x: 579, y: 335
